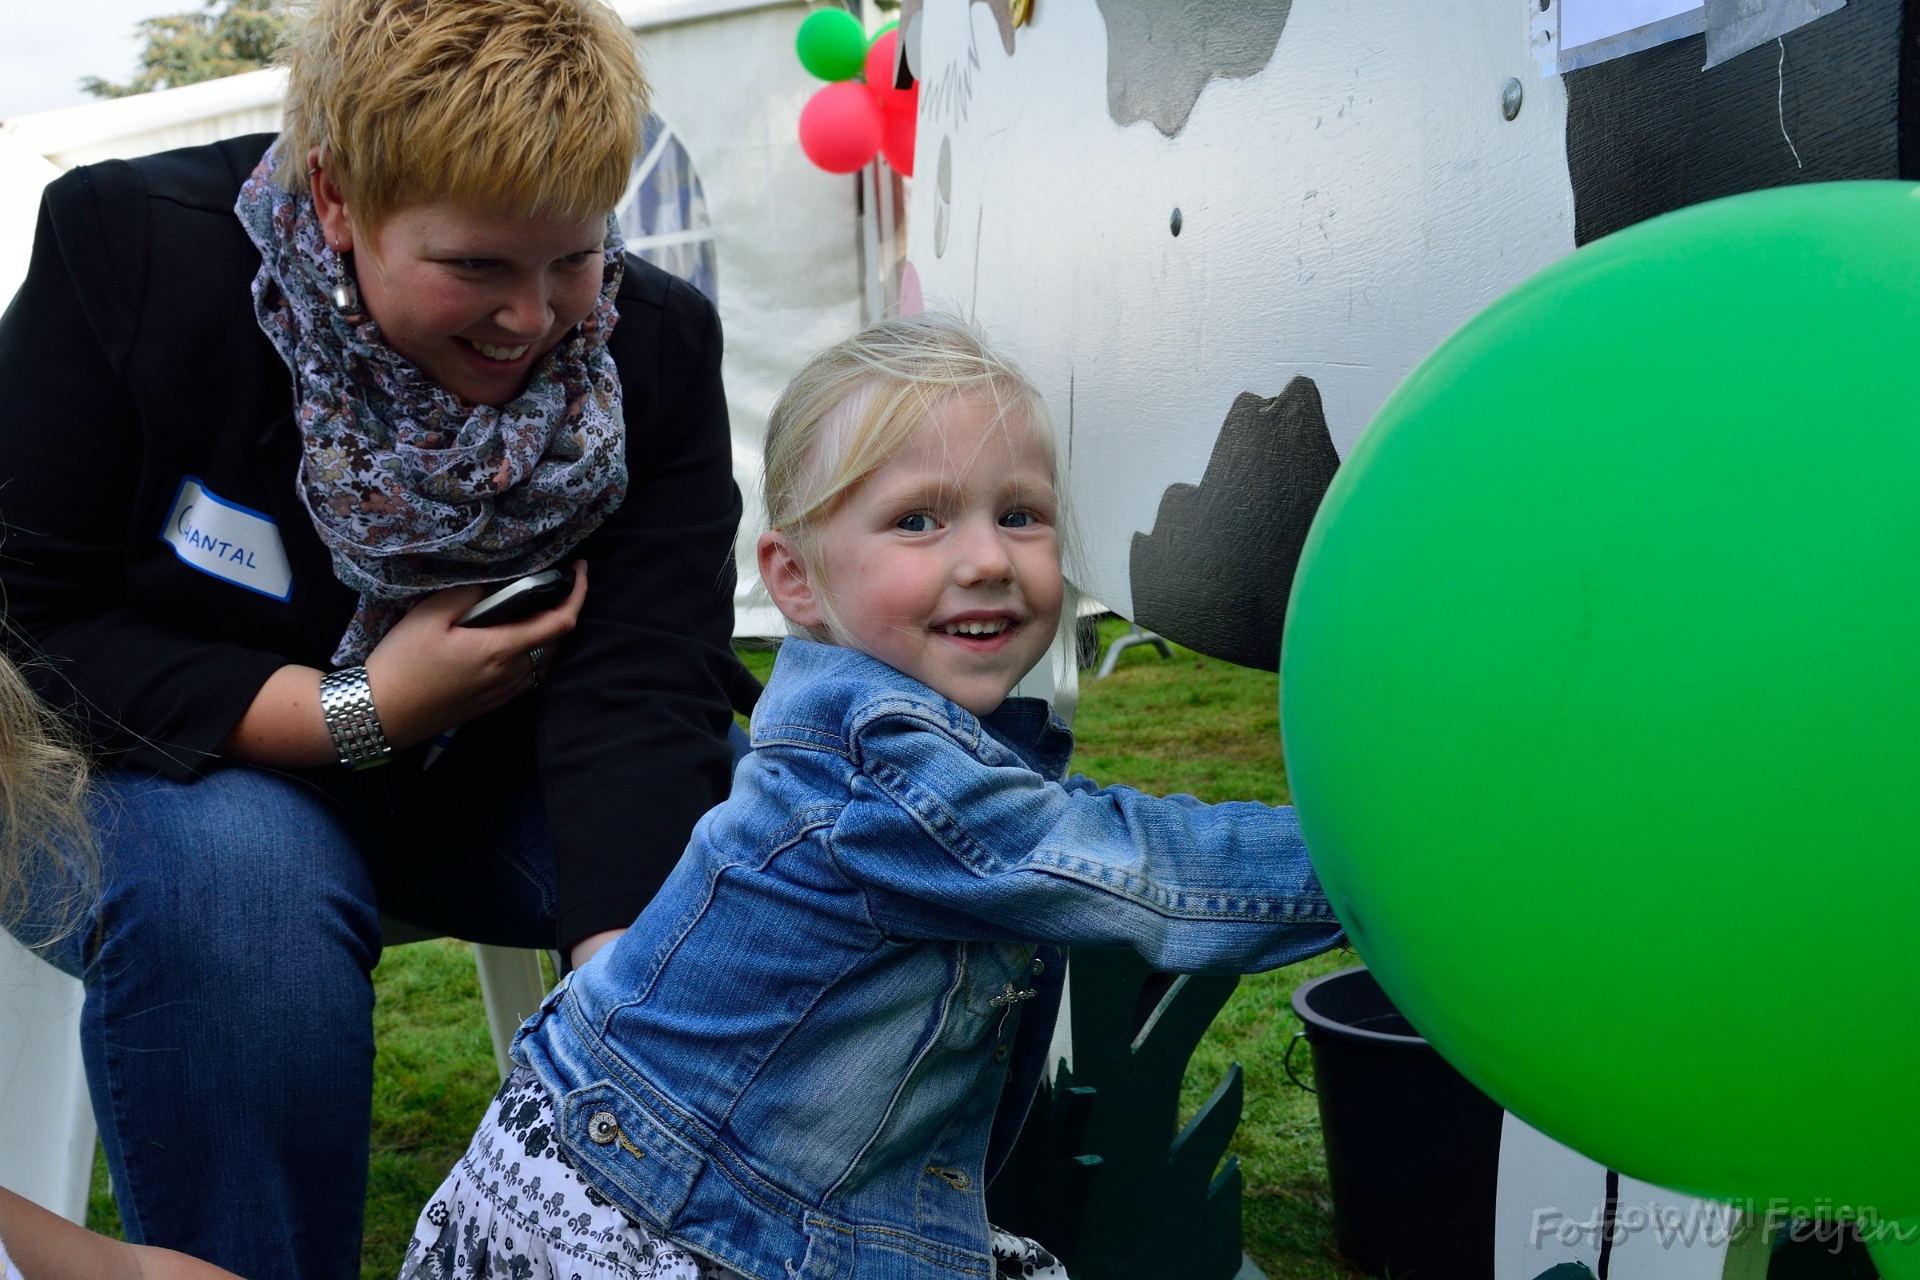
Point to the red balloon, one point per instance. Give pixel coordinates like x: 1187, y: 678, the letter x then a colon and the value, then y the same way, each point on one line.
x: 879, y: 73
x: 896, y: 142
x: 841, y: 127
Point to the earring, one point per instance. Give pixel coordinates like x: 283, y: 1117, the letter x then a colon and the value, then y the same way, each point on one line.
x: 345, y: 294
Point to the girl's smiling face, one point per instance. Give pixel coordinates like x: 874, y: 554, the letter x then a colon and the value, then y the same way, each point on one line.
x: 944, y: 563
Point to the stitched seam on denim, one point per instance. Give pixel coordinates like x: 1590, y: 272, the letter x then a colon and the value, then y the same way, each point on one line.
x: 726, y: 1162
x: 942, y: 826
x: 617, y: 1072
x: 967, y: 734
x: 866, y: 890
x: 1219, y: 905
x: 920, y: 1246
x: 796, y: 829
x: 955, y: 986
x: 804, y: 737
x: 794, y: 1024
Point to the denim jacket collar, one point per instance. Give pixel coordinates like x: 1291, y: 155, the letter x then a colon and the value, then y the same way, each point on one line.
x: 815, y: 684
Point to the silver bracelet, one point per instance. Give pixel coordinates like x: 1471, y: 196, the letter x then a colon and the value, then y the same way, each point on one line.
x: 346, y: 700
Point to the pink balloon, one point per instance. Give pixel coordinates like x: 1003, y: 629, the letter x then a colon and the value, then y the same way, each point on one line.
x: 896, y: 142
x: 879, y: 73
x: 841, y: 127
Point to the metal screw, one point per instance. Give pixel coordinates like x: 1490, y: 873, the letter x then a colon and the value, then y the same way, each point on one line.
x: 603, y: 1128
x: 1174, y: 222
x: 1510, y: 95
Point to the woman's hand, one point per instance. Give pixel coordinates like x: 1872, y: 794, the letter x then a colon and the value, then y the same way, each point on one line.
x: 430, y: 674
x: 427, y: 675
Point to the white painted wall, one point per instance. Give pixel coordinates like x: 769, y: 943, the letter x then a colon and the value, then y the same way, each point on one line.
x: 1344, y: 210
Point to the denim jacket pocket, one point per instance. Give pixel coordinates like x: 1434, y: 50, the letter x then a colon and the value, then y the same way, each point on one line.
x: 628, y: 1151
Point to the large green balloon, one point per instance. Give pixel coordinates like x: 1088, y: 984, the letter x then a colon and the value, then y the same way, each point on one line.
x: 1602, y: 698
x: 832, y: 44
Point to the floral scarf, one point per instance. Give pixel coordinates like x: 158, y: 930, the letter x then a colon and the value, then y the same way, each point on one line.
x: 411, y: 489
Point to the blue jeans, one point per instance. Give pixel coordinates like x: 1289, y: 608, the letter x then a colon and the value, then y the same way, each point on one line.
x: 228, y: 1025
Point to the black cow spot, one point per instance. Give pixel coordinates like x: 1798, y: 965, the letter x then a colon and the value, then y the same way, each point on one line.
x: 1215, y: 572
x: 1161, y: 53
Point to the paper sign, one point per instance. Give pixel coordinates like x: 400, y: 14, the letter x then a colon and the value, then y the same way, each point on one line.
x: 227, y: 540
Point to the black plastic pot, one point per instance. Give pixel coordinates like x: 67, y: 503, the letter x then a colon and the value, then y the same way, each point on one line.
x: 1413, y: 1150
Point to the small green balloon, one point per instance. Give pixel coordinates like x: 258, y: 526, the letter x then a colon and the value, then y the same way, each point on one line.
x: 1602, y: 698
x: 831, y: 44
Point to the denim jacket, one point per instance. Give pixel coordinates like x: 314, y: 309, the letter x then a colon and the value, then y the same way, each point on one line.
x: 793, y: 1060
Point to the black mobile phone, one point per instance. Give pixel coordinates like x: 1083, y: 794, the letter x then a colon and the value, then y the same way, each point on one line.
x: 519, y: 599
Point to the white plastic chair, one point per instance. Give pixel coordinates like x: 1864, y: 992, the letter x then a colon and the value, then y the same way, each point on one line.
x: 46, y: 1122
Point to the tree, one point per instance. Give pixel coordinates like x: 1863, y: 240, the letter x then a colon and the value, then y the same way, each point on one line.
x: 185, y: 48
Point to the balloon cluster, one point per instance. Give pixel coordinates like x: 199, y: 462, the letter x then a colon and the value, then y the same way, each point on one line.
x: 860, y: 113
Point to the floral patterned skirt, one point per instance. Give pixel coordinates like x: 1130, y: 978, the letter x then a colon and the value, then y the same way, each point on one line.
x: 514, y: 1207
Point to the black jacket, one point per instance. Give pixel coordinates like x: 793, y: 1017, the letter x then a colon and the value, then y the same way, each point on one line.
x: 130, y: 358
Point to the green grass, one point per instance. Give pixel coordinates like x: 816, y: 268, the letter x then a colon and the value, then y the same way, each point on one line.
x: 1189, y: 724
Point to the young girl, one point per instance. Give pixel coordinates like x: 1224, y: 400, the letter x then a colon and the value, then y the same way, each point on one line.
x: 791, y: 1065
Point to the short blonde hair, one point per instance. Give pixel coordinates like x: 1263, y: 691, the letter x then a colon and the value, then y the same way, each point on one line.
x: 532, y: 105
x: 854, y: 406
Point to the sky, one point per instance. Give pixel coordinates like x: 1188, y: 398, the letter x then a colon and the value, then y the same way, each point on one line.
x: 47, y: 45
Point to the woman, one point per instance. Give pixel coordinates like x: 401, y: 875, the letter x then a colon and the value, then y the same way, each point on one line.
x: 272, y: 412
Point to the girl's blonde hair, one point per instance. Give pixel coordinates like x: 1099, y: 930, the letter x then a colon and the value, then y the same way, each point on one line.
x: 46, y: 848
x: 532, y: 105
x: 851, y: 408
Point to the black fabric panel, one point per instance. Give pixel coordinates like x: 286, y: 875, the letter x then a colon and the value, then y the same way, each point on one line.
x: 1910, y: 92
x: 1216, y: 571
x: 1651, y: 132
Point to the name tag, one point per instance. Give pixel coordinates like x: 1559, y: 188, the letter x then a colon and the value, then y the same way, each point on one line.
x: 228, y: 541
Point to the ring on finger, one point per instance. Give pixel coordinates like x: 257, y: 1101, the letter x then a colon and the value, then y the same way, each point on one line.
x: 536, y: 657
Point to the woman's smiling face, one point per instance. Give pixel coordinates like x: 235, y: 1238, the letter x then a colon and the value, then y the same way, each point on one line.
x: 472, y: 295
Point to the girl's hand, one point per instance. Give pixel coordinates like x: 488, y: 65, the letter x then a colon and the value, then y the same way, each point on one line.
x: 427, y: 675
x: 430, y: 674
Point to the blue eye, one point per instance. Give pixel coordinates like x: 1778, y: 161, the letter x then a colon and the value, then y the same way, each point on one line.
x: 919, y: 522
x: 1016, y: 520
